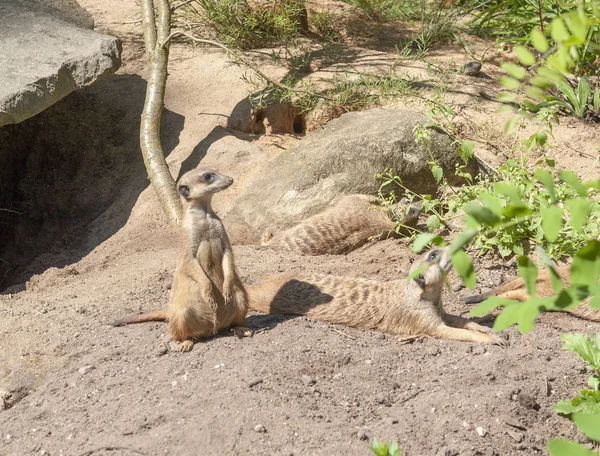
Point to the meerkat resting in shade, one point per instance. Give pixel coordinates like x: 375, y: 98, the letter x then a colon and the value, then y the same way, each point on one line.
x: 405, y: 306
x: 206, y: 295
x: 346, y: 226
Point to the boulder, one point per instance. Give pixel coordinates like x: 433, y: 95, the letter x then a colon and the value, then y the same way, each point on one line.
x: 47, y: 52
x: 340, y: 159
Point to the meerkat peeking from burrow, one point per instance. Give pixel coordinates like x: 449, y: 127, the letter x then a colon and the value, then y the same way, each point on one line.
x: 206, y: 295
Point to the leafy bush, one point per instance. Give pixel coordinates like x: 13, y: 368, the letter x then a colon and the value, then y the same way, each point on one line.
x: 574, y: 39
x: 239, y: 25
x: 584, y: 409
x: 389, y: 10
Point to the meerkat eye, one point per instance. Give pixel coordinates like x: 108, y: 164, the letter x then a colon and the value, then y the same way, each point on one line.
x: 207, y: 177
x: 412, y: 211
x: 184, y: 191
x: 432, y: 256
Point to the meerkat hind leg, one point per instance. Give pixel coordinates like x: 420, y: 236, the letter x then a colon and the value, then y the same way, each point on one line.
x: 466, y: 335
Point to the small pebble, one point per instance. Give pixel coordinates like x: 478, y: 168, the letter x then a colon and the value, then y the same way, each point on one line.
x: 85, y: 369
x: 446, y: 451
x: 308, y: 380
x: 478, y: 350
x: 260, y: 428
x: 381, y: 398
x: 255, y: 382
x: 481, y: 431
x: 516, y: 436
x: 160, y: 351
x: 362, y: 435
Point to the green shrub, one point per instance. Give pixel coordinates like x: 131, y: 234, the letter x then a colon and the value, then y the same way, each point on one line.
x: 239, y: 25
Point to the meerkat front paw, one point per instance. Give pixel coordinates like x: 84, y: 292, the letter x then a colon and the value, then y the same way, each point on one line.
x: 241, y: 331
x: 184, y: 346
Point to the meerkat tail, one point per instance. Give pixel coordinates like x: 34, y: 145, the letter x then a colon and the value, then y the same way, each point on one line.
x: 586, y: 312
x: 158, y: 315
x: 476, y: 298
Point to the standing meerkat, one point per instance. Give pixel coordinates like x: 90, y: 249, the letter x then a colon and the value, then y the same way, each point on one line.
x: 515, y: 289
x: 405, y: 306
x: 346, y: 226
x: 206, y: 294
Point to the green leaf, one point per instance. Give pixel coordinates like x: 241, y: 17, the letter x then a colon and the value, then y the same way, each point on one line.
x: 564, y: 407
x: 577, y: 25
x: 550, y: 74
x: 588, y: 424
x: 559, y: 31
x: 490, y: 304
x: 586, y: 264
x: 433, y: 222
x: 562, y: 447
x: 536, y: 93
x: 509, y: 83
x: 437, y: 172
x: 467, y: 150
x: 583, y: 346
x: 483, y: 215
x: 528, y: 271
x: 552, y: 222
x: 512, y: 211
x: 424, y: 239
x: 579, y: 209
x: 464, y: 266
x: 540, y: 82
x: 509, y: 316
x: 570, y: 178
x: 547, y: 181
x: 555, y: 279
x: 492, y: 203
x: 510, y: 191
x: 514, y: 70
x: 506, y: 97
x: 525, y: 55
x: 461, y: 240
x: 538, y: 40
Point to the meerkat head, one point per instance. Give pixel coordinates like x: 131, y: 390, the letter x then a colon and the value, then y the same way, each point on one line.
x: 406, y: 212
x: 202, y: 182
x: 435, y: 264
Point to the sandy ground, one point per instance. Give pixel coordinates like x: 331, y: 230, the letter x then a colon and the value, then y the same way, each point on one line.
x: 76, y: 386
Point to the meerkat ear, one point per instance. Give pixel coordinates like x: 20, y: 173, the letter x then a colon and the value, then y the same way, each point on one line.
x: 420, y: 281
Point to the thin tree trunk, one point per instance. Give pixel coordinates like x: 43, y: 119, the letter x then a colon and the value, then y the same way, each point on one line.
x: 157, y: 54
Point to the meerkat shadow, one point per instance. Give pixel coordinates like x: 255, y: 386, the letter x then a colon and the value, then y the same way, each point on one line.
x: 293, y: 299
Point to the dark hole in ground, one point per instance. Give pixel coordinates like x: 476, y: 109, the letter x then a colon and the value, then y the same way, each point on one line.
x: 299, y: 125
x: 75, y: 163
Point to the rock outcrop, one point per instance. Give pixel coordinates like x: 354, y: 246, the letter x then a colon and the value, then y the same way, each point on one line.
x: 46, y: 52
x: 341, y: 159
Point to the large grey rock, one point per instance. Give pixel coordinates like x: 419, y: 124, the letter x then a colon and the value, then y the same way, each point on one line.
x: 341, y: 159
x: 44, y: 57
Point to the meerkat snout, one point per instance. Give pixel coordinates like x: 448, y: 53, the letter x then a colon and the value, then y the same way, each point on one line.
x: 184, y: 191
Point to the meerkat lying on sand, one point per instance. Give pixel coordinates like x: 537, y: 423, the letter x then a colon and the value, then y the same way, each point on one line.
x: 346, y: 226
x: 206, y: 295
x: 515, y: 289
x: 405, y: 306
